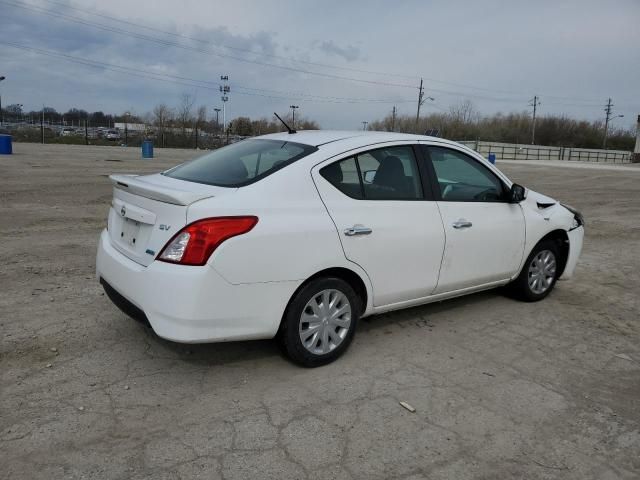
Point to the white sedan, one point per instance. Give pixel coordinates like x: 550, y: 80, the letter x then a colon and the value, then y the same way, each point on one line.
x: 299, y: 235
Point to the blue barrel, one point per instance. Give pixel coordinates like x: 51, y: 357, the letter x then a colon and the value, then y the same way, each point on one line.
x: 147, y: 149
x: 492, y: 158
x: 5, y: 145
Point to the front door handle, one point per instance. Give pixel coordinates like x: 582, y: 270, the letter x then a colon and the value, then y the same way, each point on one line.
x: 462, y: 224
x: 357, y: 230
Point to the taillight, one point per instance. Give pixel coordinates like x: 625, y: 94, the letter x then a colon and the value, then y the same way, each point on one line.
x: 194, y: 244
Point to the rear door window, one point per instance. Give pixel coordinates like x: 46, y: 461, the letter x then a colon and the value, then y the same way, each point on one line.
x: 383, y: 174
x: 344, y: 176
x: 241, y: 163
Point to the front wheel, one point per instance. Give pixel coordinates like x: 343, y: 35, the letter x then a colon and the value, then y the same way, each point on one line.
x: 320, y: 322
x: 539, y: 273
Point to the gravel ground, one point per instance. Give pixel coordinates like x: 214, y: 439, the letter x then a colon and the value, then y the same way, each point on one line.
x: 501, y: 389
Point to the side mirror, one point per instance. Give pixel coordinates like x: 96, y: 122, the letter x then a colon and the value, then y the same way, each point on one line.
x: 369, y: 175
x: 517, y: 193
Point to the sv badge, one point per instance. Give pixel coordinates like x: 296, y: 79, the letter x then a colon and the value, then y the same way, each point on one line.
x: 164, y: 227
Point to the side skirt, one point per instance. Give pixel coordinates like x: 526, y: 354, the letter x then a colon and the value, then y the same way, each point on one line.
x: 436, y: 298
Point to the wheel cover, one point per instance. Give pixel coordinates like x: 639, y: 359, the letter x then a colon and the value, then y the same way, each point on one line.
x: 542, y: 271
x: 325, y: 321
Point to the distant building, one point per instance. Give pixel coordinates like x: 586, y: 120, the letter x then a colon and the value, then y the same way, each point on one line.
x: 132, y: 127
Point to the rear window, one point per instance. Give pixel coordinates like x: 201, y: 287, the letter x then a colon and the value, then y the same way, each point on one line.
x: 241, y: 163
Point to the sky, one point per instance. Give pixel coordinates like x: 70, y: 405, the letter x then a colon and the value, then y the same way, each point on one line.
x: 342, y: 62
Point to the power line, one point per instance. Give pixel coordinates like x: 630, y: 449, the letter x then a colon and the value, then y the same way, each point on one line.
x: 321, y: 74
x: 191, y: 82
x: 199, y: 50
x: 245, y: 50
x: 267, y: 64
x: 281, y: 57
x: 288, y: 94
x: 290, y: 59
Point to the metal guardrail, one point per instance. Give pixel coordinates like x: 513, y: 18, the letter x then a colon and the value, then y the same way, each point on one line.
x: 535, y: 152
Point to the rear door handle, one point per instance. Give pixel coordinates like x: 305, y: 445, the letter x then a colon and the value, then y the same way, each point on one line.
x: 462, y: 224
x: 357, y: 230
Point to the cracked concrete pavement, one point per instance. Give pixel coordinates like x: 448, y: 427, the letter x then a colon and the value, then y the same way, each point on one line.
x: 501, y: 389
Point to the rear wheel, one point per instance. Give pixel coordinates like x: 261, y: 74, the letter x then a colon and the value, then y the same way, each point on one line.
x: 320, y: 322
x: 539, y: 273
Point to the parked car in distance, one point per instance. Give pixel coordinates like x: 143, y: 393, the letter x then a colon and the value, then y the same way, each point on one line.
x: 298, y: 236
x: 67, y: 131
x: 112, y: 135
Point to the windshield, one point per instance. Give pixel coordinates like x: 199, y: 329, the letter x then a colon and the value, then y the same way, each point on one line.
x: 241, y: 163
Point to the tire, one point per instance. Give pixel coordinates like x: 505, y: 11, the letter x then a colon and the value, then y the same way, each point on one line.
x: 329, y: 330
x: 539, y: 273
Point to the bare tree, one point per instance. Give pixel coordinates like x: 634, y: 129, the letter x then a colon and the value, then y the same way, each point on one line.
x: 242, y: 126
x: 201, y: 116
x: 464, y: 112
x: 162, y: 115
x: 184, y: 115
x: 306, y: 124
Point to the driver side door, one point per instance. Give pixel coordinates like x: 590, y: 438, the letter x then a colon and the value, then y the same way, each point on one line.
x: 485, y: 234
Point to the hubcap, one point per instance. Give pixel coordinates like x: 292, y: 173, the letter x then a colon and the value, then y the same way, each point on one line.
x: 325, y: 321
x: 542, y: 271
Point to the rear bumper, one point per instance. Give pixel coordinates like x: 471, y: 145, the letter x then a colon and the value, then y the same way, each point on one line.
x: 123, y: 304
x: 191, y: 304
x: 576, y: 237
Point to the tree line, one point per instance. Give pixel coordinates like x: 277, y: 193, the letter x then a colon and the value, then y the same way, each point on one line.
x: 183, y: 124
x: 183, y: 119
x: 464, y: 122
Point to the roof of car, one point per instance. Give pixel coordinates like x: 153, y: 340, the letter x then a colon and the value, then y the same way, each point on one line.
x: 321, y: 137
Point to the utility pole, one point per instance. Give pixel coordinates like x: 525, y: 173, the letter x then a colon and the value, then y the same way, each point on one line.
x: 607, y: 118
x: 364, y: 126
x: 126, y: 128
x: 42, y: 124
x: 421, y: 100
x: 217, y: 110
x: 636, y: 151
x: 393, y: 119
x: 293, y: 115
x: 224, y: 89
x: 1, y: 113
x: 534, y: 102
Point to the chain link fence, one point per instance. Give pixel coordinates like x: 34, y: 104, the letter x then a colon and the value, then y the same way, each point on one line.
x: 105, y: 135
x: 512, y: 151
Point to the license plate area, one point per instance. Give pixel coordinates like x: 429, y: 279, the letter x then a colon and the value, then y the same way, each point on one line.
x: 130, y: 233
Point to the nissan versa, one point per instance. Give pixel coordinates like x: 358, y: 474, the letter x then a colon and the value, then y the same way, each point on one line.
x: 299, y: 235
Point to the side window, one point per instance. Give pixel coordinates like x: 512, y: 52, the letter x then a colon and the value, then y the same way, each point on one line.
x: 383, y: 174
x: 344, y: 176
x: 390, y: 174
x: 463, y: 179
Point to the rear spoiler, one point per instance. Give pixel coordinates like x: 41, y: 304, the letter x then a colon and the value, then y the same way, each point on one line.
x: 136, y: 185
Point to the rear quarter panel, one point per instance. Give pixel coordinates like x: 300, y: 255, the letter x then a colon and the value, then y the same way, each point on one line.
x: 293, y: 239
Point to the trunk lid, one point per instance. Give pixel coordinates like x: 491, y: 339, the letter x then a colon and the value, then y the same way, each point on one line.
x: 146, y: 211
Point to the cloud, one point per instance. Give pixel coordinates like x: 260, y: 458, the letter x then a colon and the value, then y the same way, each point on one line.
x: 349, y: 53
x: 505, y: 52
